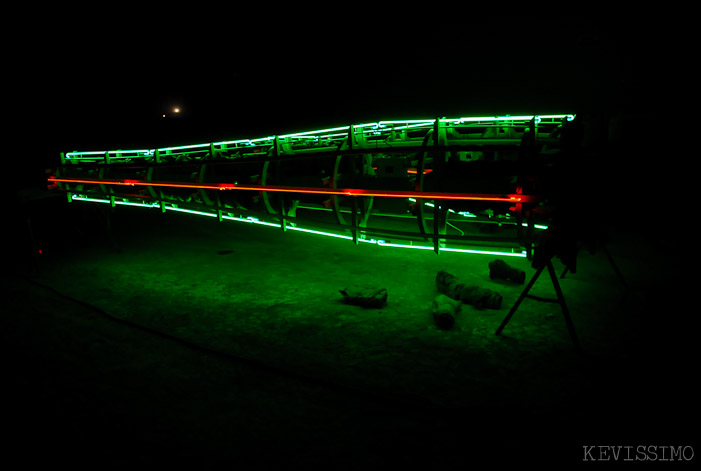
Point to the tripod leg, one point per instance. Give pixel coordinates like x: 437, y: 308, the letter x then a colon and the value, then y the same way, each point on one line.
x: 567, y: 269
x: 523, y: 295
x: 565, y: 311
x: 615, y: 267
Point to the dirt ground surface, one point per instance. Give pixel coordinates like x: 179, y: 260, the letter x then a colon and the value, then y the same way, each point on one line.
x: 177, y: 339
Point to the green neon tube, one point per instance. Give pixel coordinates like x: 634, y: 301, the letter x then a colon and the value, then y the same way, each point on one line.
x: 75, y: 197
x: 190, y: 211
x: 327, y: 234
x: 88, y: 200
x: 245, y: 141
x: 379, y: 124
x: 308, y: 133
x: 252, y: 220
x: 139, y: 205
x: 192, y: 146
x: 486, y: 252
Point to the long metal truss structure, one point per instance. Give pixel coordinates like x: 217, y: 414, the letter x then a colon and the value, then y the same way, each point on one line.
x: 469, y: 184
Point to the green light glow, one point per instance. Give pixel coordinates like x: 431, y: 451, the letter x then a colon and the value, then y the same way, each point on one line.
x: 192, y: 146
x: 339, y: 131
x: 327, y: 234
x: 488, y: 118
x: 253, y: 220
x: 537, y: 226
x: 470, y: 215
x: 461, y: 213
x: 88, y: 200
x: 116, y: 202
x: 388, y: 138
x: 140, y: 205
x: 190, y: 211
x: 245, y: 141
x: 521, y: 254
x: 448, y: 249
x: 320, y: 131
x: 382, y: 243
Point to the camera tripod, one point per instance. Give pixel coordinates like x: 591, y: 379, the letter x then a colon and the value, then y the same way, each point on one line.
x: 559, y: 300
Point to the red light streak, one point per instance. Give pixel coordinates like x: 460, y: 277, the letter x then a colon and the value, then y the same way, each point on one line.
x: 514, y: 198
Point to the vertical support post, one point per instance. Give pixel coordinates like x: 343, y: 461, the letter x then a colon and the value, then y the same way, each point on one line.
x: 354, y: 171
x: 281, y: 205
x: 276, y: 146
x: 354, y: 220
x: 149, y: 176
x: 350, y: 143
x: 439, y: 209
x: 104, y: 188
x: 283, y: 219
x: 436, y: 216
x: 536, y: 120
x: 335, y: 199
x: 440, y: 214
x: 420, y: 213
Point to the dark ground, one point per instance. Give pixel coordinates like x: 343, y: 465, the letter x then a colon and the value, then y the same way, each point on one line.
x: 181, y: 340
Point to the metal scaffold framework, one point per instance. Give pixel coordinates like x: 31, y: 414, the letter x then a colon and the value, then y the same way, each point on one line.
x: 471, y: 184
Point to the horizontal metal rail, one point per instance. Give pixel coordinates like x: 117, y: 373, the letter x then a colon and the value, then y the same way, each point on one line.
x: 516, y: 198
x: 379, y: 135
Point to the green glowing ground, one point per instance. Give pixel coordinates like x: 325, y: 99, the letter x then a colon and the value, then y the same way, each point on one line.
x: 365, y: 386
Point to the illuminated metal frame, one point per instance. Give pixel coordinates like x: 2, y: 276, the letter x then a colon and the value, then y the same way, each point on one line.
x: 343, y: 140
x: 333, y: 134
x: 164, y: 206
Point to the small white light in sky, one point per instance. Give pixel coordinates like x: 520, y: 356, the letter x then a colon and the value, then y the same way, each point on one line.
x: 176, y: 110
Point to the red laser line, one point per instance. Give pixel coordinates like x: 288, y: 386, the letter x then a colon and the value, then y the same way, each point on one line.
x: 513, y: 198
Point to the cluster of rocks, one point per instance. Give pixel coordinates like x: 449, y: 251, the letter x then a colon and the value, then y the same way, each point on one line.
x: 453, y: 294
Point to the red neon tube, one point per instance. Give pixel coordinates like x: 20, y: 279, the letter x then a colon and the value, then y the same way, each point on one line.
x: 513, y: 198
